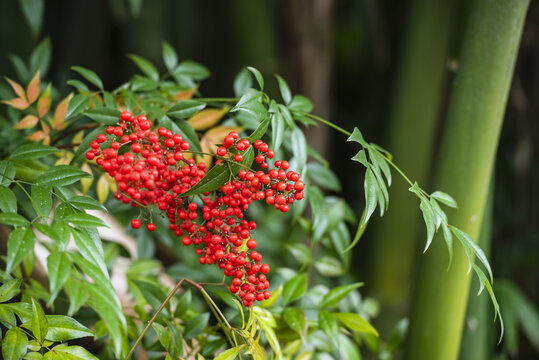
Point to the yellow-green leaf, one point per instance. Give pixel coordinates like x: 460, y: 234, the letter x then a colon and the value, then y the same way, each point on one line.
x: 230, y: 354
x: 207, y: 118
x: 44, y: 102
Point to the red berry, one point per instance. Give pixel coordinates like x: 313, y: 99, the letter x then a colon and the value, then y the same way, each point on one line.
x: 150, y: 227
x: 135, y: 223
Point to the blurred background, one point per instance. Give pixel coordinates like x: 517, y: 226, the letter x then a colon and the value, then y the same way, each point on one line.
x: 349, y: 58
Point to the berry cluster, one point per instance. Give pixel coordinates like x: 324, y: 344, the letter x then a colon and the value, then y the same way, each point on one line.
x: 151, y: 172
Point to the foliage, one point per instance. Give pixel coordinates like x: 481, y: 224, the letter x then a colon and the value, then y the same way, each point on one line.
x: 49, y: 191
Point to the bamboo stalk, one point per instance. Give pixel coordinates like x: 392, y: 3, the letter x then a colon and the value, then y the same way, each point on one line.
x: 412, y: 126
x: 466, y: 160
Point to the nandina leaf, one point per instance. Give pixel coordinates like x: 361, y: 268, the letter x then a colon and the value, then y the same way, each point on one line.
x: 59, y: 268
x: 355, y: 322
x: 10, y: 289
x: 294, y: 288
x: 17, y: 103
x: 145, y: 66
x: 7, y: 172
x: 186, y: 95
x: 285, y: 90
x: 60, y: 112
x: 258, y: 76
x: 8, y: 201
x: 33, y: 89
x: 77, y: 104
x: 38, y: 135
x: 20, y: 243
x: 44, y: 102
x: 105, y: 116
x: 33, y: 151
x: 17, y: 88
x: 63, y: 328
x: 27, y: 122
x: 220, y: 174
x: 62, y: 175
x: 89, y: 75
x: 444, y: 198
x: 230, y: 354
x: 184, y: 109
x: 39, y: 324
x: 334, y: 296
x: 207, y: 118
x: 15, y: 344
x: 103, y: 189
x: 170, y: 58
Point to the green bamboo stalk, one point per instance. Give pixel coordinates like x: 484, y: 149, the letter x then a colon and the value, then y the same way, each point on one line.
x: 412, y: 126
x: 466, y: 160
x: 476, y: 334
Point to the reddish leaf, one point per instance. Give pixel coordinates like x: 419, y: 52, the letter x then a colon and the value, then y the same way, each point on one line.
x: 44, y: 102
x: 17, y: 103
x: 38, y: 135
x: 186, y: 95
x: 33, y: 89
x: 60, y: 113
x: 17, y: 88
x: 28, y: 122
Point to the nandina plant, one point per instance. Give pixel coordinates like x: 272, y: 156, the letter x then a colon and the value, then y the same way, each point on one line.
x: 191, y: 169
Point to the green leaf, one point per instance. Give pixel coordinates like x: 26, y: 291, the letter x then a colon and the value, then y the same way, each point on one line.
x: 468, y: 242
x: 258, y: 76
x: 329, y: 266
x: 89, y: 75
x: 355, y: 322
x: 14, y: 344
x: 192, y: 69
x: 260, y: 130
x: 176, y: 342
x: 13, y: 219
x: 33, y: 13
x: 371, y: 191
x: 64, y: 352
x: 242, y: 82
x: 358, y: 137
x: 300, y: 252
x: 196, y: 326
x: 42, y: 196
x: 77, y: 293
x: 230, y: 354
x: 184, y: 109
x: 285, y: 90
x: 219, y: 175
x: 8, y: 200
x: 266, y: 323
x: 295, y: 319
x: 328, y: 324
x: 39, y: 324
x: 301, y: 103
x: 153, y: 294
x: 110, y: 311
x: 183, y: 304
x: 20, y: 243
x: 86, y: 203
x: 334, y: 296
x: 277, y: 130
x: 63, y: 328
x: 9, y: 289
x: 59, y: 268
x: 381, y: 162
x: 7, y: 317
x: 162, y: 334
x: 444, y: 199
x: 105, y: 116
x: 299, y: 148
x: 170, y: 58
x: 84, y: 220
x: 294, y: 288
x: 323, y: 176
x: 7, y: 172
x: 287, y: 116
x: 32, y: 151
x: 430, y: 220
x: 91, y: 249
x: 61, y: 175
x: 78, y: 104
x: 145, y: 66
x: 40, y: 59
x: 79, y: 85
x: 23, y: 310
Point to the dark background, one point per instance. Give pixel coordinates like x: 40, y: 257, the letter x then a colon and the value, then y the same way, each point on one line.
x: 343, y: 55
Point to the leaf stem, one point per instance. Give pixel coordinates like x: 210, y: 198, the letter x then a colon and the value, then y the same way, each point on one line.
x: 324, y: 121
